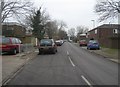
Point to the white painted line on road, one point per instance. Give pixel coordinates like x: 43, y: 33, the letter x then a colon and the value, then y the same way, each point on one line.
x: 86, y: 81
x: 72, y: 62
x: 67, y: 53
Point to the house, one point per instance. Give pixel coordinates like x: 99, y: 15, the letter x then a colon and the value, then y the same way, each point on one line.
x: 106, y: 34
x: 13, y: 29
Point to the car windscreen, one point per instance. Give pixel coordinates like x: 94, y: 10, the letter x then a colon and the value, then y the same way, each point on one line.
x: 4, y: 40
x: 46, y: 42
x: 93, y: 41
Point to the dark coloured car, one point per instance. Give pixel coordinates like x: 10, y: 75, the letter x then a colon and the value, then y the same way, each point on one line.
x: 47, y: 45
x: 93, y: 44
x: 10, y: 45
x: 83, y: 43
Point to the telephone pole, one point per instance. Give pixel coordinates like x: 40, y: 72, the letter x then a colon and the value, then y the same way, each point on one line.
x: 1, y: 7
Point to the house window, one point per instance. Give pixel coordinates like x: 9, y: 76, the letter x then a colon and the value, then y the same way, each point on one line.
x: 95, y: 31
x: 115, y: 31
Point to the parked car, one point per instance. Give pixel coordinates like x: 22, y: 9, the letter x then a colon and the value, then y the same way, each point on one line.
x: 47, y: 45
x: 59, y: 42
x: 83, y: 43
x: 93, y: 44
x: 10, y: 45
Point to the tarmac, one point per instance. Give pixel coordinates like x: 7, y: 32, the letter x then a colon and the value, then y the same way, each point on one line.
x: 13, y: 63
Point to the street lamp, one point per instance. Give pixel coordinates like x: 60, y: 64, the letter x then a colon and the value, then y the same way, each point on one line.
x: 93, y: 23
x: 119, y: 13
x: 1, y: 7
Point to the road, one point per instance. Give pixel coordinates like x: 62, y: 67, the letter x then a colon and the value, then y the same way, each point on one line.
x: 72, y: 65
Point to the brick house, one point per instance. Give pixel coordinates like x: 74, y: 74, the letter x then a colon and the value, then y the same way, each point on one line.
x: 106, y: 34
x: 13, y: 29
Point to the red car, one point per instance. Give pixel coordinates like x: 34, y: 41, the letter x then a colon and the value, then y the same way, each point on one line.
x: 83, y: 43
x: 10, y: 45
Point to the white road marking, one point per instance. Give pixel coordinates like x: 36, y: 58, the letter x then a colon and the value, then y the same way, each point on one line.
x: 86, y: 81
x: 72, y: 62
x: 67, y: 53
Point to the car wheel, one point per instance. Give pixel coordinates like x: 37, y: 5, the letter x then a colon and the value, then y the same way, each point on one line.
x: 39, y: 52
x: 98, y: 48
x: 54, y: 51
x: 14, y: 51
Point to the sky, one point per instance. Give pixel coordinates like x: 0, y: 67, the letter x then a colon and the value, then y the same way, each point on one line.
x: 73, y: 12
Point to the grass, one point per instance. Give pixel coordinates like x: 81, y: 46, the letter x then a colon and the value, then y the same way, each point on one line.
x: 110, y: 50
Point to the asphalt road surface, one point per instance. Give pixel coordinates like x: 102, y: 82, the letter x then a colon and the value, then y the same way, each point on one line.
x: 72, y: 65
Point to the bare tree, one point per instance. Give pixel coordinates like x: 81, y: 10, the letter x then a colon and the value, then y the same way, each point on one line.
x: 61, y: 24
x: 15, y: 8
x: 51, y: 29
x: 71, y: 32
x: 107, y: 9
x: 81, y: 29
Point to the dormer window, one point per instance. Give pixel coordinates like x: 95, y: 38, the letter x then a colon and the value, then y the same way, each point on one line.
x: 115, y: 31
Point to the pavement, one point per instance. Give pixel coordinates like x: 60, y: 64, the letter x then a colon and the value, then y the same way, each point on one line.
x: 102, y: 52
x: 12, y: 63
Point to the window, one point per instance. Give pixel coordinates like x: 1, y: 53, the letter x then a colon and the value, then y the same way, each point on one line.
x: 95, y: 31
x: 13, y: 40
x: 115, y: 31
x: 4, y: 40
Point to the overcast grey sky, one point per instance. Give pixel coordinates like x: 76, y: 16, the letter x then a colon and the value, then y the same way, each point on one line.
x: 73, y: 12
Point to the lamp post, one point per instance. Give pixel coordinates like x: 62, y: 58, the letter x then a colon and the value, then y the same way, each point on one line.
x: 119, y: 13
x: 1, y: 7
x: 93, y: 23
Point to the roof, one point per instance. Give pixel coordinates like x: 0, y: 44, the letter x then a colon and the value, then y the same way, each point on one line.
x: 82, y: 34
x: 107, y: 26
x: 11, y: 23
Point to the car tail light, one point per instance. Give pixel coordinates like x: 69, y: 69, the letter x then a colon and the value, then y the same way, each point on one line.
x: 38, y: 45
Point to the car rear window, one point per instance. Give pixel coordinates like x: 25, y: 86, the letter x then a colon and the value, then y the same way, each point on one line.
x: 82, y: 40
x: 46, y: 41
x: 93, y: 41
x: 4, y: 40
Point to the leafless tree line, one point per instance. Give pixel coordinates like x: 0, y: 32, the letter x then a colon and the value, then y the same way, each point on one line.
x: 15, y: 8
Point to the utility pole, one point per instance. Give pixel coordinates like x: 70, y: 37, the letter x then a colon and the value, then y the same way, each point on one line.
x: 93, y: 23
x: 119, y: 13
x: 1, y: 7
